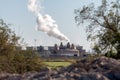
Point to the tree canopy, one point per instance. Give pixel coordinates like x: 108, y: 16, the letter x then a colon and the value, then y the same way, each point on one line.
x: 13, y: 60
x: 8, y: 39
x: 103, y: 25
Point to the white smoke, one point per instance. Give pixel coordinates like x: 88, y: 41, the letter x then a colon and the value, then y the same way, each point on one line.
x: 45, y: 23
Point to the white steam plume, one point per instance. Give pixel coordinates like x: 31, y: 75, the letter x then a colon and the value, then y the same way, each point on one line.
x: 45, y: 23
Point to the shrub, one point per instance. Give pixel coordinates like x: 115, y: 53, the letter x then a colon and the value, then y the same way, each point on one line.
x: 13, y: 60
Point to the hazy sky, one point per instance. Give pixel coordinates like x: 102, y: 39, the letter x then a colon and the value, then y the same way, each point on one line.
x: 23, y: 21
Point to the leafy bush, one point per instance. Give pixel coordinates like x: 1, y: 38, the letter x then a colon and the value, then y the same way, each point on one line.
x: 112, y: 55
x: 21, y: 63
x: 13, y: 60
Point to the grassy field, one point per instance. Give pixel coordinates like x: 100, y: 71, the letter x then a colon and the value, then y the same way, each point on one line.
x: 54, y: 65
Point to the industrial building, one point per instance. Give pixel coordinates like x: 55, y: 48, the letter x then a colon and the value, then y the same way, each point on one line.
x: 61, y: 50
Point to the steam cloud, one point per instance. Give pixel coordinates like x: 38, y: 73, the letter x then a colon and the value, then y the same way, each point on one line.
x: 45, y: 23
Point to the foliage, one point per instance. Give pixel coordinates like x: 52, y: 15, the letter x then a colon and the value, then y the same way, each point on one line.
x: 104, y: 25
x: 22, y: 62
x: 8, y: 39
x: 25, y: 61
x: 13, y: 60
x: 111, y: 54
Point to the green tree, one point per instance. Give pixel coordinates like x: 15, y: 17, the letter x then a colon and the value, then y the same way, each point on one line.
x: 103, y: 25
x: 8, y: 39
x: 13, y: 60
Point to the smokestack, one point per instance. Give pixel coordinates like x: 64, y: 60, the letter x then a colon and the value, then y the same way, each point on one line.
x: 45, y: 23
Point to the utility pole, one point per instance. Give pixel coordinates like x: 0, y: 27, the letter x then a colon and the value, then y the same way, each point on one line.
x: 35, y: 47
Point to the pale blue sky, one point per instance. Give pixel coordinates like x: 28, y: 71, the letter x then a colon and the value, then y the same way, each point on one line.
x: 23, y: 21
